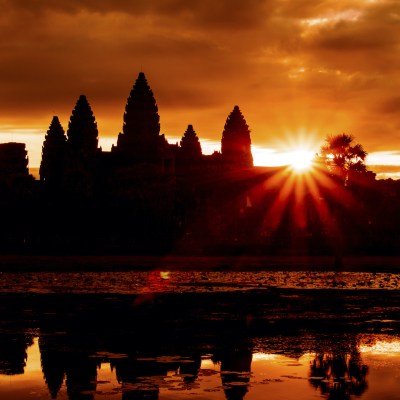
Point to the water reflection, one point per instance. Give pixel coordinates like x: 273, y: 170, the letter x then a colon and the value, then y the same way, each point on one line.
x: 214, y: 347
x: 61, y: 361
x: 13, y: 354
x: 340, y: 372
x: 73, y: 374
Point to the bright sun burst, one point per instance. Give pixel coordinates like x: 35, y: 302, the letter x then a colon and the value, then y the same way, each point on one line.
x: 301, y: 160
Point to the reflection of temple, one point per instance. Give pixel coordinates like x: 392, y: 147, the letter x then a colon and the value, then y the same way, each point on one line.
x: 235, y: 372
x: 158, y: 347
x: 60, y: 361
x: 13, y: 353
x: 142, y: 377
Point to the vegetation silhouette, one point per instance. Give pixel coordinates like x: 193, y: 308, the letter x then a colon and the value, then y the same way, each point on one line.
x: 147, y: 196
x: 342, y: 158
x: 339, y: 372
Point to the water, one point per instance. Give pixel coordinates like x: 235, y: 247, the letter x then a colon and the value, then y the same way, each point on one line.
x: 190, y: 281
x: 257, y: 376
x: 196, y: 335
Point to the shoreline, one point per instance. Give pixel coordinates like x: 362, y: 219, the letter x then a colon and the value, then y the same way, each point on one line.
x: 30, y: 263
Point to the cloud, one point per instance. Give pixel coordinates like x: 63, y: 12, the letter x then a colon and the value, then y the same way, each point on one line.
x: 365, y: 40
x: 390, y: 105
x: 324, y: 66
x: 234, y: 13
x: 386, y: 171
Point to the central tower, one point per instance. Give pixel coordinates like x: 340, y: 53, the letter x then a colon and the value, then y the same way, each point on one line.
x: 140, y: 140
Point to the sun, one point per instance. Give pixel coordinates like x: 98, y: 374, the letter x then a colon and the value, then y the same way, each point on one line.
x: 301, y: 160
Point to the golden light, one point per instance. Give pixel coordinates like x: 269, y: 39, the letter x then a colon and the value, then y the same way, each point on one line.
x: 391, y: 347
x: 164, y: 275
x: 300, y: 160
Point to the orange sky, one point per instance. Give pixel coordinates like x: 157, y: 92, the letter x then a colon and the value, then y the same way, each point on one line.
x: 298, y: 69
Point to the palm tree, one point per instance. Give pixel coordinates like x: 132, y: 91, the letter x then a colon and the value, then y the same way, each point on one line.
x: 341, y: 156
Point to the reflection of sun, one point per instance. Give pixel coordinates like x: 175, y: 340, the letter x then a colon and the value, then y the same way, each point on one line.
x: 301, y: 160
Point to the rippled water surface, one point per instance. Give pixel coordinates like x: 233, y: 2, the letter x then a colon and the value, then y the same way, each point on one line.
x: 179, y: 282
x: 199, y: 335
x: 370, y: 372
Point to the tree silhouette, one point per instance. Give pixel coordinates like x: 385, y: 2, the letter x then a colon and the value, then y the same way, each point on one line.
x: 341, y: 156
x: 339, y: 375
x: 236, y: 142
x: 82, y: 129
x: 53, y: 151
x: 190, y: 145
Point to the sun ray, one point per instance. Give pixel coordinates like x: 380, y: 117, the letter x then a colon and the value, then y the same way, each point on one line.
x: 274, y: 214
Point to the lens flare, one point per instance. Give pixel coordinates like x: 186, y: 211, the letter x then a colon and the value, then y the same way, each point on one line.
x: 301, y: 160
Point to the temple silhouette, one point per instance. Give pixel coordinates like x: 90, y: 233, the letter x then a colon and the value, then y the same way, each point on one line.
x: 149, y: 196
x: 76, y: 163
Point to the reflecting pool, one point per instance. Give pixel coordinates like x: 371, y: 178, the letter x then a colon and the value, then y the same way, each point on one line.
x: 252, y: 341
x: 52, y: 369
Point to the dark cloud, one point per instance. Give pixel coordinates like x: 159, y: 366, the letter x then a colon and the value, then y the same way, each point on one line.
x: 327, y: 66
x: 235, y: 13
x: 391, y: 105
x: 359, y: 39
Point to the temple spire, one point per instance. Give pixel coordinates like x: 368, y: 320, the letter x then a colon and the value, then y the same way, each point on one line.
x: 82, y: 128
x: 236, y: 142
x: 190, y: 145
x: 53, y: 152
x: 140, y: 141
x: 141, y: 112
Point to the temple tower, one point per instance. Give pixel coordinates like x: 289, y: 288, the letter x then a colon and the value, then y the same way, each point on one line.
x: 82, y: 129
x: 236, y: 142
x: 53, y: 152
x: 141, y: 142
x: 190, y: 145
x: 81, y: 156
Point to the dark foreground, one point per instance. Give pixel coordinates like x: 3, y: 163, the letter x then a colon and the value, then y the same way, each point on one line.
x: 204, y: 343
x: 17, y: 262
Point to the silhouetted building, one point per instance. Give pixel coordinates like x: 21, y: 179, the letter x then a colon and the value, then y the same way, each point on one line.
x: 160, y: 197
x: 82, y: 150
x: 190, y: 147
x: 82, y: 129
x: 13, y: 161
x: 53, y: 154
x: 140, y: 141
x: 236, y: 142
